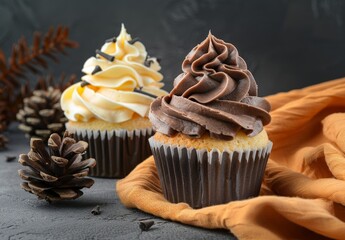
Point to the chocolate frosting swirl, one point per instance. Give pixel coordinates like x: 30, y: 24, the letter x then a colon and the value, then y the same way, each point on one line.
x: 216, y: 93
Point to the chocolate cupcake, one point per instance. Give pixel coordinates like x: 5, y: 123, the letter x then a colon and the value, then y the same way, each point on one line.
x: 109, y: 107
x: 210, y: 146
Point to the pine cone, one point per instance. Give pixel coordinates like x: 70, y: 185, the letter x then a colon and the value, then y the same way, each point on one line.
x: 57, y: 174
x: 3, y: 141
x: 42, y: 114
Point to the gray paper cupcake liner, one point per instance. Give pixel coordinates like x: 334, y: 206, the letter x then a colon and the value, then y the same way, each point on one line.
x: 117, y: 152
x: 204, y: 178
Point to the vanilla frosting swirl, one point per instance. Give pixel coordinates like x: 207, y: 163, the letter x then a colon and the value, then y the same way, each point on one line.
x: 216, y: 93
x: 120, y: 82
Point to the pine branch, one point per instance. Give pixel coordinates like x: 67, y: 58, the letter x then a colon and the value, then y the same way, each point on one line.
x: 5, y: 94
x: 63, y: 82
x: 24, y: 58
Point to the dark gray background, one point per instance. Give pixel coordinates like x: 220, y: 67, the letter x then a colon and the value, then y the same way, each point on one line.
x: 287, y: 44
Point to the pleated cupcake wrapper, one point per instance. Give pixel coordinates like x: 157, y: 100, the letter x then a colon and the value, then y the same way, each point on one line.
x: 117, y: 152
x: 203, y: 178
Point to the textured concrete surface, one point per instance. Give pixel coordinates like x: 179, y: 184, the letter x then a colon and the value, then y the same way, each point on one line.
x: 23, y: 216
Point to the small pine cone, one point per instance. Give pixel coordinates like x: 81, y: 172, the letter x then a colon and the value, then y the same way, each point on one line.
x: 59, y: 173
x: 3, y: 141
x: 42, y: 114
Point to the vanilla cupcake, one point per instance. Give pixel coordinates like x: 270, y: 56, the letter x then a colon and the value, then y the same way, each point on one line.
x: 109, y: 107
x: 210, y: 146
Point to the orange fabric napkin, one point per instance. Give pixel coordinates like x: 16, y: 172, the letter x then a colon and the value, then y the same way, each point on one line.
x: 303, y: 193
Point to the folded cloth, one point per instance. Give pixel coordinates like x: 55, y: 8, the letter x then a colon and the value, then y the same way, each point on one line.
x: 303, y: 192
